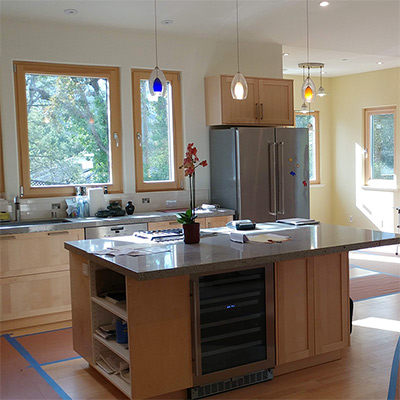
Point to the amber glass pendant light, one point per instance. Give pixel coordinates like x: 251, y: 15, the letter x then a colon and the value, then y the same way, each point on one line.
x: 239, y: 88
x: 157, y: 81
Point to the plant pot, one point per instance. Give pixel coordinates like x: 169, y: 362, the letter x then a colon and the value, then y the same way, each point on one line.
x: 191, y: 233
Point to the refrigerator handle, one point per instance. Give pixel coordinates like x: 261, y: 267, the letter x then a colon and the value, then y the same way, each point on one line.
x: 272, y: 178
x: 281, y: 179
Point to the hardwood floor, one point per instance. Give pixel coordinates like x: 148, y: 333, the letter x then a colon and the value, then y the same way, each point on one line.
x: 362, y: 373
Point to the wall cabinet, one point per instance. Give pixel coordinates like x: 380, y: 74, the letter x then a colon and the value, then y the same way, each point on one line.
x: 34, y: 278
x: 269, y: 102
x: 312, y: 307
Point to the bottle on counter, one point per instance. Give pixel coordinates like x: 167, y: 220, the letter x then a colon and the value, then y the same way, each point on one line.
x: 130, y: 208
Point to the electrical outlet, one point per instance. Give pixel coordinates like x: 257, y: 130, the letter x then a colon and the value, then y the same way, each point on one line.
x: 55, y: 206
x: 145, y: 200
x: 170, y: 203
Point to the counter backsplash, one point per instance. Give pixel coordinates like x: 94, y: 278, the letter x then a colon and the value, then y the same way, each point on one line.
x: 55, y: 207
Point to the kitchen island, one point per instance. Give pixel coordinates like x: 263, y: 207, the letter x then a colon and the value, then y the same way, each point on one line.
x: 310, y: 294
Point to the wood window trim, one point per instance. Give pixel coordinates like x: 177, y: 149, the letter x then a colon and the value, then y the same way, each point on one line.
x: 368, y: 112
x: 177, y: 184
x: 112, y: 74
x: 2, y: 184
x: 317, y: 179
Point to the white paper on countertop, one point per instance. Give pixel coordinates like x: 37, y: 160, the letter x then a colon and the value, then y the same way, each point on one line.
x: 239, y: 237
x: 268, y: 238
x: 130, y: 251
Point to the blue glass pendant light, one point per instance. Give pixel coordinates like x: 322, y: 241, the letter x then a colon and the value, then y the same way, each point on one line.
x: 239, y: 88
x: 157, y: 81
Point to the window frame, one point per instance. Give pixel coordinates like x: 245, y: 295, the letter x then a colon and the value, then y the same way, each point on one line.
x: 315, y: 114
x: 368, y: 112
x: 2, y: 184
x: 112, y: 74
x: 174, y: 78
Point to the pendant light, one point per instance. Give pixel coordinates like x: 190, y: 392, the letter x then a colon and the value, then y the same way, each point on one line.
x: 308, y: 90
x: 157, y: 81
x: 321, y: 91
x: 239, y: 88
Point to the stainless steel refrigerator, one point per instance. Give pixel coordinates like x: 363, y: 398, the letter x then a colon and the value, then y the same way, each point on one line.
x: 262, y: 173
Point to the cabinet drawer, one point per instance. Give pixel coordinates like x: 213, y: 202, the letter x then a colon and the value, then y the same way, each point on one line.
x: 32, y: 295
x: 215, y: 222
x: 34, y: 253
x: 153, y: 226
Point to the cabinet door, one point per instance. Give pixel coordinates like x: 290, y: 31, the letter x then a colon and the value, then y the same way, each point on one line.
x: 276, y: 102
x: 294, y: 311
x: 154, y: 226
x: 239, y: 112
x: 331, y: 299
x: 34, y: 253
x: 216, y: 222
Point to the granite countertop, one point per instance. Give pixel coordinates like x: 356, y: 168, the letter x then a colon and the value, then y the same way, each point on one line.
x: 219, y: 253
x: 11, y: 228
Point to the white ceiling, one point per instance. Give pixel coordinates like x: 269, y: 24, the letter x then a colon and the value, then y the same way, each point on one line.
x: 362, y: 32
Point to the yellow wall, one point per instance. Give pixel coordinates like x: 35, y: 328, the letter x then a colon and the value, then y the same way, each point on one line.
x: 349, y: 96
x: 320, y: 195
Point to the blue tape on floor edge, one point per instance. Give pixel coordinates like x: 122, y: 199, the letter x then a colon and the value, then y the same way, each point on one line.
x: 24, y: 353
x: 394, y: 372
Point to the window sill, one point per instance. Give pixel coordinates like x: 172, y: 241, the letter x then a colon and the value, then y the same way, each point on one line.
x: 317, y: 185
x: 380, y: 188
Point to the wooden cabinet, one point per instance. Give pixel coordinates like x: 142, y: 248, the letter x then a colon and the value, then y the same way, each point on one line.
x: 312, y: 307
x: 269, y: 102
x: 208, y: 222
x: 157, y: 312
x: 34, y: 278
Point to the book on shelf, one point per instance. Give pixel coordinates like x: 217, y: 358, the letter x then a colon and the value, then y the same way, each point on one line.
x: 118, y: 297
x: 105, y: 335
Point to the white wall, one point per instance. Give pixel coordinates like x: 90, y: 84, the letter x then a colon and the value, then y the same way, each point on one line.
x: 195, y: 58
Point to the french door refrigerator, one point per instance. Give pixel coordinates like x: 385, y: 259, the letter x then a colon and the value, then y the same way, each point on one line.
x: 261, y: 173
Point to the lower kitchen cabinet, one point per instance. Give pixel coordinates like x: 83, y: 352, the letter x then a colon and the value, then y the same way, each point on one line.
x: 208, y: 222
x: 312, y: 307
x: 34, y: 278
x: 158, y: 357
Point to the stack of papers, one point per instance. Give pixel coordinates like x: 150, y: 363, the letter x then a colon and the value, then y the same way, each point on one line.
x: 298, y: 221
x: 130, y: 251
x: 262, y: 238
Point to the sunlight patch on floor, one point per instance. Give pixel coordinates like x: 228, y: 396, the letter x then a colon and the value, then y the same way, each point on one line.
x: 373, y: 257
x: 379, y: 323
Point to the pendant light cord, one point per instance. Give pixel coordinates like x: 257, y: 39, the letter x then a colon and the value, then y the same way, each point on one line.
x: 155, y: 29
x: 308, y: 39
x: 237, y: 32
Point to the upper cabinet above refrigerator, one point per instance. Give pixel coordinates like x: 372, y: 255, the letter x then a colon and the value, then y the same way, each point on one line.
x: 269, y: 102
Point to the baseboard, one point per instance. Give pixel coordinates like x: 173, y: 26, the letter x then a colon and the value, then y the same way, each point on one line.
x: 308, y: 362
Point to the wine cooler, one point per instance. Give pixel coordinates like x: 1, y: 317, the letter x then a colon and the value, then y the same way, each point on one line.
x: 233, y: 324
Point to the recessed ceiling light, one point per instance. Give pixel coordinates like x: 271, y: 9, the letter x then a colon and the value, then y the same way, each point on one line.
x: 167, y: 22
x: 285, y: 54
x: 324, y: 3
x: 70, y: 11
x: 380, y: 62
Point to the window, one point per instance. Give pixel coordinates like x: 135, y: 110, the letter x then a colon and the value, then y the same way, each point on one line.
x: 69, y: 124
x: 158, y: 134
x: 379, y: 128
x: 310, y: 120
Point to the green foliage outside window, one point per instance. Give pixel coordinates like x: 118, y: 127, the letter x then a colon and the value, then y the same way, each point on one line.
x: 156, y: 135
x: 68, y: 129
x: 304, y: 121
x: 382, y: 146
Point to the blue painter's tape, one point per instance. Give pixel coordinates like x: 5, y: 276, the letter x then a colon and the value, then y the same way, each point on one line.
x: 394, y: 373
x: 39, y: 333
x: 58, y: 361
x: 24, y: 353
x: 372, y: 270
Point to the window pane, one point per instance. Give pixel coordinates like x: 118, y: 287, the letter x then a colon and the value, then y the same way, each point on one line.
x: 157, y: 134
x: 308, y: 121
x: 382, y: 146
x: 68, y: 130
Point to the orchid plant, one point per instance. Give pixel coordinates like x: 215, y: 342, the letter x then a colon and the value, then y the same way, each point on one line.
x: 190, y: 163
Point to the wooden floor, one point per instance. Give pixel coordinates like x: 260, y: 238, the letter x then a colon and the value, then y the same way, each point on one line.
x: 363, y: 373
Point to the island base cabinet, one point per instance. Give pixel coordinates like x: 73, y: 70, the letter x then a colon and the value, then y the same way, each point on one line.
x: 312, y: 310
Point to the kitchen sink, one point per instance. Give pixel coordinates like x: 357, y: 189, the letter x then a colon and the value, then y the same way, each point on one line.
x: 35, y: 222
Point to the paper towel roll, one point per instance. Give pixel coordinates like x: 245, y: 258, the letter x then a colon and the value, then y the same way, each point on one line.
x: 96, y: 200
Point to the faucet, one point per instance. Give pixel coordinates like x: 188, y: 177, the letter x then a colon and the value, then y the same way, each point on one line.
x: 17, y: 215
